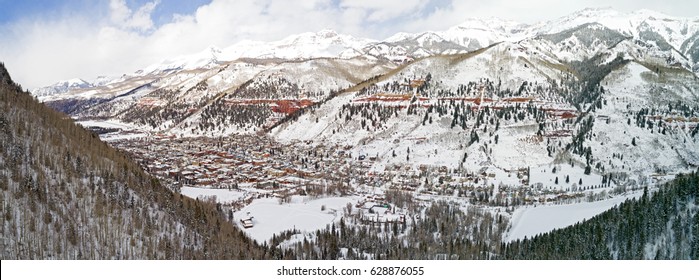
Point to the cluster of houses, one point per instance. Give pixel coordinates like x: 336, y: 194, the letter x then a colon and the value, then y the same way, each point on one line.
x: 284, y: 170
x: 248, y: 160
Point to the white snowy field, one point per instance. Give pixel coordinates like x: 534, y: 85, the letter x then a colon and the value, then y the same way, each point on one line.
x: 222, y: 195
x: 530, y: 221
x: 544, y: 174
x: 106, y: 124
x: 128, y: 131
x: 270, y: 217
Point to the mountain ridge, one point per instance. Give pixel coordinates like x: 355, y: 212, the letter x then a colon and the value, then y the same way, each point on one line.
x: 570, y: 76
x: 471, y: 34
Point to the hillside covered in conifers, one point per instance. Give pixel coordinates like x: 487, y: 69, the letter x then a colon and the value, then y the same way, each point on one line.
x: 67, y: 195
x: 663, y: 225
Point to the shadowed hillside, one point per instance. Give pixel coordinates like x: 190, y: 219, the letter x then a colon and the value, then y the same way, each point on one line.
x: 67, y: 195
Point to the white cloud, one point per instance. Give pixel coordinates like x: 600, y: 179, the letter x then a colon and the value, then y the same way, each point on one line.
x: 45, y: 51
x: 118, y: 11
x: 384, y: 10
x: 122, y: 16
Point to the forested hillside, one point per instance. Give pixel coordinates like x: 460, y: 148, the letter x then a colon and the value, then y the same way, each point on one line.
x: 67, y: 195
x: 662, y: 225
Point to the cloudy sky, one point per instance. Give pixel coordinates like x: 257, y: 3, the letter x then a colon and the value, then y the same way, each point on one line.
x: 42, y: 42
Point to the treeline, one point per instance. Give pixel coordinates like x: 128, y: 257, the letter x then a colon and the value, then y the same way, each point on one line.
x: 67, y: 195
x: 221, y: 115
x: 664, y: 225
x: 659, y: 225
x: 444, y: 231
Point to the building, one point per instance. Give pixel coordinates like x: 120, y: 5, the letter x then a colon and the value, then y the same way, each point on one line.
x: 247, y: 223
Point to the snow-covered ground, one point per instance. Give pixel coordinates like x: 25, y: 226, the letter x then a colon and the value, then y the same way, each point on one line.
x: 222, y: 195
x: 126, y: 130
x: 106, y: 124
x: 302, y: 213
x: 532, y: 220
x: 545, y: 175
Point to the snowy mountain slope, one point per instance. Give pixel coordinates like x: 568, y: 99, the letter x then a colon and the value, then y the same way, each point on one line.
x: 409, y: 46
x: 505, y: 67
x: 479, y: 33
x: 673, y: 39
x: 664, y: 142
x: 649, y: 27
x: 483, y: 94
x: 280, y: 90
x: 206, y: 59
x: 456, y: 111
x: 324, y: 43
x: 60, y: 87
x: 176, y: 98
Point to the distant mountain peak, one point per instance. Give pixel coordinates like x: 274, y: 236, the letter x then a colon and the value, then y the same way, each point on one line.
x: 595, y: 12
x: 489, y: 23
x: 651, y: 14
x: 327, y: 33
x: 61, y: 87
x: 214, y: 50
x: 470, y: 34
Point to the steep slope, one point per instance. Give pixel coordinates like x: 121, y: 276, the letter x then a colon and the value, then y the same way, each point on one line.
x: 649, y: 115
x: 648, y: 28
x: 239, y: 96
x: 435, y: 104
x: 67, y: 195
x: 279, y: 91
x: 521, y: 105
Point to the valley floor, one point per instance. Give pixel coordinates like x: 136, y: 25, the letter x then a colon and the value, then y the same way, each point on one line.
x: 294, y: 190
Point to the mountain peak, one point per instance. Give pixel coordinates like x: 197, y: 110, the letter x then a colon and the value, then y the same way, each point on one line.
x: 490, y: 22
x: 213, y: 50
x: 73, y: 82
x: 326, y: 33
x: 646, y: 13
x: 209, y: 56
x: 595, y: 12
x: 61, y: 87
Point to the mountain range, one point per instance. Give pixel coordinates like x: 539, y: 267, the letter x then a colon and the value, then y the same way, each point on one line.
x: 460, y: 132
x: 614, y: 93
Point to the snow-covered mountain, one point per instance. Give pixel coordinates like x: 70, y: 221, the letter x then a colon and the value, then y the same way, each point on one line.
x: 487, y: 113
x: 61, y: 87
x: 486, y: 93
x: 655, y: 34
x: 479, y: 33
x: 324, y: 43
x: 669, y: 31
